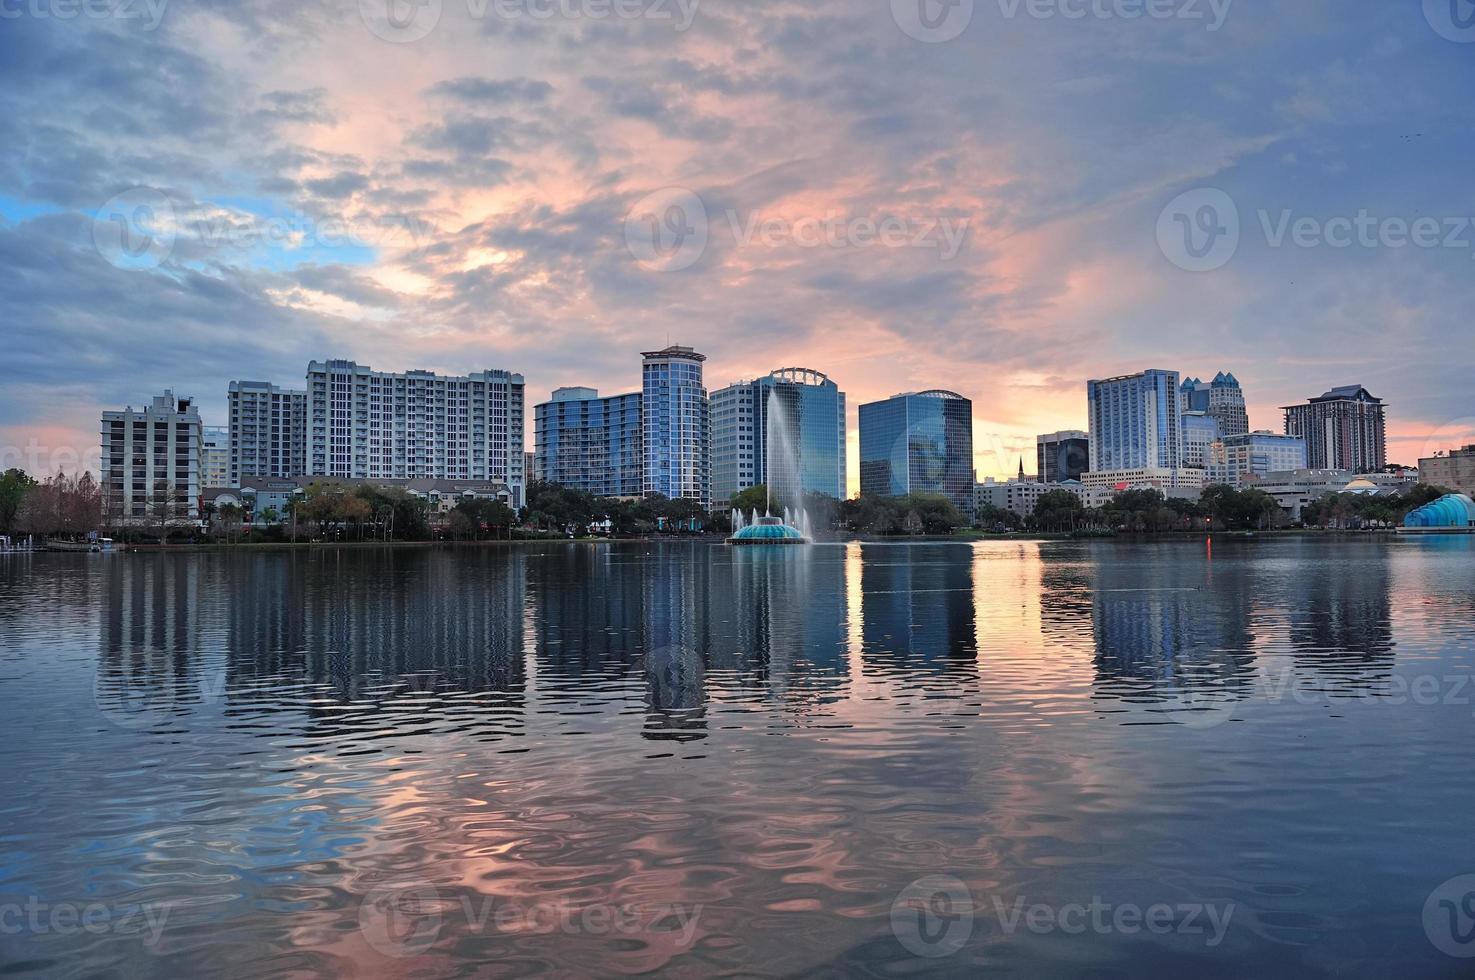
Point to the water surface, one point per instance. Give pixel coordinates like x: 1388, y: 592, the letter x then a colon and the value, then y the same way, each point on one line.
x: 880, y: 759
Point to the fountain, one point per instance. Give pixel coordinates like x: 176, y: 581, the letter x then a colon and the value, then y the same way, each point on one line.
x: 781, y: 462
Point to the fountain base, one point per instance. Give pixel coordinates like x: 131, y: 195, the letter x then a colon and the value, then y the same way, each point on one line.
x: 768, y: 530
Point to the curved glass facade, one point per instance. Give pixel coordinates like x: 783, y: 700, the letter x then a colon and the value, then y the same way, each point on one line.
x: 918, y: 443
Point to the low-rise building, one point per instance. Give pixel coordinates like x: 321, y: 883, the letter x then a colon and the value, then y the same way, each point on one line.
x: 1017, y: 496
x: 1101, y: 485
x: 1455, y: 470
x: 1294, y: 489
x: 1254, y: 454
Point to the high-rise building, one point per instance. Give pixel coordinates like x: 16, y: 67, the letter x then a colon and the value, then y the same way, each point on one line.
x: 268, y: 431
x: 215, y: 456
x: 364, y: 424
x: 1135, y: 422
x: 589, y: 443
x: 1200, y: 432
x: 1061, y: 456
x: 1344, y: 429
x: 919, y: 442
x: 1254, y: 454
x: 796, y: 408
x: 1222, y: 399
x: 151, y: 461
x: 676, y: 425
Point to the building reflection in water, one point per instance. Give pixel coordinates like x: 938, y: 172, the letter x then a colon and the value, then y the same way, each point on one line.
x: 362, y: 643
x: 919, y: 610
x: 1238, y: 627
x: 312, y: 632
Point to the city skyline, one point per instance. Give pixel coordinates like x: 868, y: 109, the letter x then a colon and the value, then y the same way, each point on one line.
x: 488, y: 183
x: 996, y: 449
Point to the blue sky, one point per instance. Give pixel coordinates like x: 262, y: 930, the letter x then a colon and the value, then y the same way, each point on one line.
x: 470, y: 190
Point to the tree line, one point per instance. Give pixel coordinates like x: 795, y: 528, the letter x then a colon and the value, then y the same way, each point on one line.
x: 61, y: 507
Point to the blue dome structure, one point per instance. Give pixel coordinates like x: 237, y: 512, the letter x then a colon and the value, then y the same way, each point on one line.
x: 1453, y: 512
x: 768, y: 530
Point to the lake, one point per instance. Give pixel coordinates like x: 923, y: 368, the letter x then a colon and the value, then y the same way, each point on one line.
x: 1059, y: 759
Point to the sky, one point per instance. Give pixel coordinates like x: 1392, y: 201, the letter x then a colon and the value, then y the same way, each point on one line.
x: 1000, y: 197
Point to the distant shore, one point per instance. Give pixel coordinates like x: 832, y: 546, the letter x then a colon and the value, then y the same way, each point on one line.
x: 958, y: 537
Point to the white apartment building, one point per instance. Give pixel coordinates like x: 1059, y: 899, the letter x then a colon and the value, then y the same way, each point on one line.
x: 268, y: 431
x: 1019, y: 496
x: 151, y: 461
x: 215, y: 457
x: 1101, y: 485
x: 369, y: 425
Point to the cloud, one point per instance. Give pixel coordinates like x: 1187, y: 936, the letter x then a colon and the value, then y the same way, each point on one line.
x: 504, y: 158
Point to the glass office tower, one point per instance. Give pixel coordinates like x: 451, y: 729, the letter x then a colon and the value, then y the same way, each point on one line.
x: 1135, y: 422
x: 919, y: 442
x: 676, y: 426
x: 799, y: 408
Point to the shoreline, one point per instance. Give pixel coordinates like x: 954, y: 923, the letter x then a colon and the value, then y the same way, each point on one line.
x: 718, y: 538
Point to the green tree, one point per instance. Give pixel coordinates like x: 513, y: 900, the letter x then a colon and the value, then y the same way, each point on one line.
x: 751, y: 499
x: 15, y: 484
x: 1058, y: 510
x: 990, y: 518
